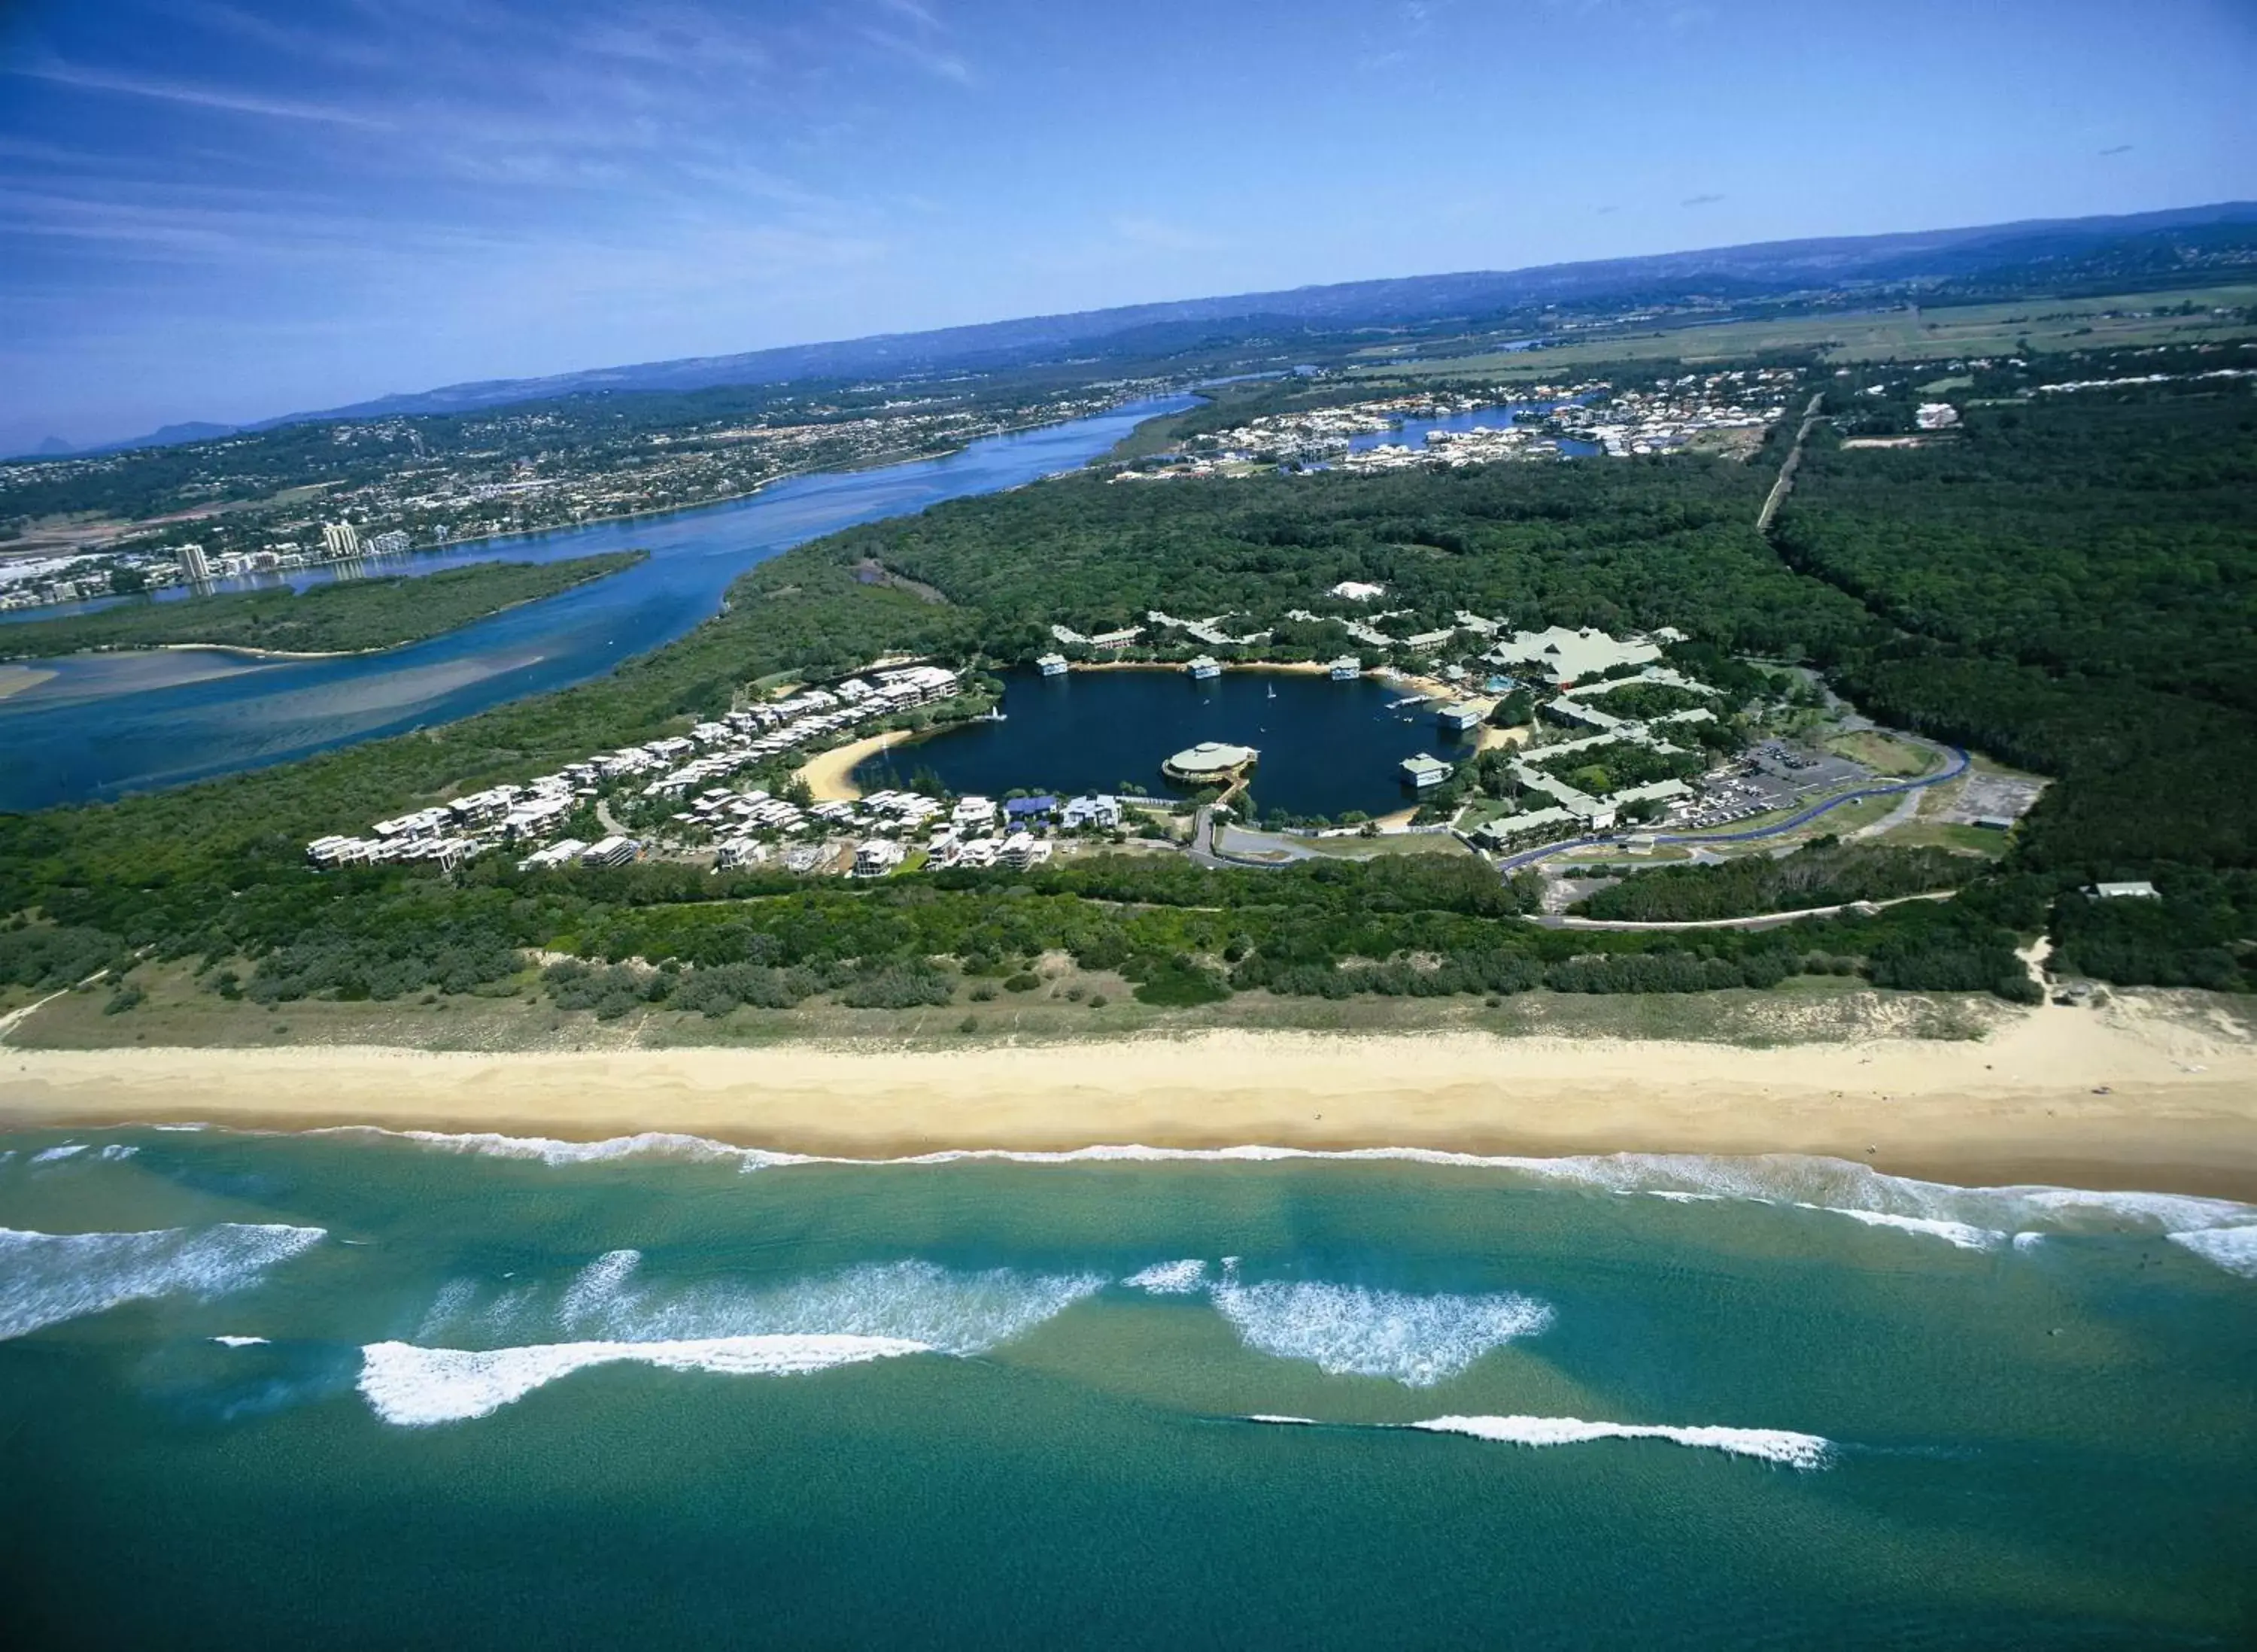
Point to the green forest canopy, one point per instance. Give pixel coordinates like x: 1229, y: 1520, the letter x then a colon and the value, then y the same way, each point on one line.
x: 1884, y: 575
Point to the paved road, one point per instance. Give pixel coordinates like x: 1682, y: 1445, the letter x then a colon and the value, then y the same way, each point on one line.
x: 1952, y: 771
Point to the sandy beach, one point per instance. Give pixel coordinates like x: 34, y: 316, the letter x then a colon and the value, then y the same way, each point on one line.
x: 829, y: 774
x: 2062, y: 1096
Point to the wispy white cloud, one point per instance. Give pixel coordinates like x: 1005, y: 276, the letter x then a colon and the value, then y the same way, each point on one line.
x: 197, y: 96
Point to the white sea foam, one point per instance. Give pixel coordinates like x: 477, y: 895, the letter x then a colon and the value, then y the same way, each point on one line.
x: 1271, y: 1417
x: 1793, y: 1179
x: 413, y: 1387
x: 47, y: 1278
x: 1960, y: 1234
x: 1171, y: 1279
x: 596, y: 1290
x: 240, y: 1342
x: 2028, y: 1241
x: 1773, y: 1445
x: 56, y: 1155
x: 118, y: 1150
x: 650, y: 1144
x: 1358, y: 1331
x: 2233, y: 1249
x: 618, y: 1298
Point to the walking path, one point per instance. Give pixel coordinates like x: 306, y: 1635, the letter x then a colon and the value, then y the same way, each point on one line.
x: 1758, y: 921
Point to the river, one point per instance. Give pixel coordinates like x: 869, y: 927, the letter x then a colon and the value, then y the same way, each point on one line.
x: 107, y: 725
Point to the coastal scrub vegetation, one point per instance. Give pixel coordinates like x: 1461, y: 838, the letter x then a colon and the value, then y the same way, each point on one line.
x: 1824, y: 873
x: 1885, y: 577
x: 339, y: 617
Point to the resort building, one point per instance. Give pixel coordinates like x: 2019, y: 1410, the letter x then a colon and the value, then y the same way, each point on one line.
x: 1209, y: 763
x: 562, y: 853
x: 877, y: 856
x: 1562, y: 656
x: 1100, y: 811
x: 611, y: 851
x: 1460, y: 717
x: 1423, y: 773
x: 1022, y: 850
x: 973, y: 814
x: 1538, y: 825
x: 1020, y: 810
x: 1347, y: 668
x: 1204, y: 668
x: 1051, y: 665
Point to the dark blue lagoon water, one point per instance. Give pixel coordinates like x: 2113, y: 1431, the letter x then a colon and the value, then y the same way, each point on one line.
x: 1327, y: 747
x: 106, y: 725
x: 351, y: 1390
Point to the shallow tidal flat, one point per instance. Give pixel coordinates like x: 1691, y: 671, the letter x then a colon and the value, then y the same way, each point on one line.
x: 1132, y: 1399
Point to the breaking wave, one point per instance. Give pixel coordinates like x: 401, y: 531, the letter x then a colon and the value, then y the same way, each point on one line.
x: 614, y: 1309
x: 650, y: 1144
x: 1838, y: 1185
x: 2233, y: 1249
x: 47, y: 1278
x: 1171, y: 1279
x: 1773, y: 1445
x: 1358, y: 1331
x: 1961, y: 1234
x: 415, y: 1387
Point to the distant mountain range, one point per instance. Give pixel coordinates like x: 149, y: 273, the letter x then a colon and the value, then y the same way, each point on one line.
x: 2148, y: 246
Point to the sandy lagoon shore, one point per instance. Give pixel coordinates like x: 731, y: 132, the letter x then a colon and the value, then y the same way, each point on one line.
x: 2060, y: 1096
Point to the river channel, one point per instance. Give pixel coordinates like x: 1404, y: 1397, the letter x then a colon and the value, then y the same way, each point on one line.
x: 105, y: 724
x: 1328, y: 748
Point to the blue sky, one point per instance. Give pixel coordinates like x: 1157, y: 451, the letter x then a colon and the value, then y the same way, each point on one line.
x: 231, y: 209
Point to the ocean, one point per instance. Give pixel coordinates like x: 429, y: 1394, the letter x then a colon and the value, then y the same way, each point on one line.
x: 352, y: 1388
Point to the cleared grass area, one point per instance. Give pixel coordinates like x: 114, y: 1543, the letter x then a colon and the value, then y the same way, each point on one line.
x: 1885, y: 753
x: 1974, y: 840
x: 1901, y: 334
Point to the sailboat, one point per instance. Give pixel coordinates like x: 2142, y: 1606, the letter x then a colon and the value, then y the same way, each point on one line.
x: 1273, y: 691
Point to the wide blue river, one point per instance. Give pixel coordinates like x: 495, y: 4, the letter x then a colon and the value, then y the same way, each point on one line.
x: 104, y: 724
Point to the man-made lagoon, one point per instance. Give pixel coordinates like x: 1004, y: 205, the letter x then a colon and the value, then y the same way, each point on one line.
x: 1328, y: 748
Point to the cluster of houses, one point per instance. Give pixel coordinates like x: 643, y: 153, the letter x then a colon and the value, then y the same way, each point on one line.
x: 1673, y: 413
x: 526, y: 814
x: 1318, y: 438
x: 976, y: 832
x: 1455, y: 449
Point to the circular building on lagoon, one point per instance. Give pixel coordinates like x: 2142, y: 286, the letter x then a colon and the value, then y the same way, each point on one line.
x: 1210, y: 762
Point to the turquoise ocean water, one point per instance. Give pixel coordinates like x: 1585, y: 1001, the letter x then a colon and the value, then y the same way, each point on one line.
x: 350, y: 1389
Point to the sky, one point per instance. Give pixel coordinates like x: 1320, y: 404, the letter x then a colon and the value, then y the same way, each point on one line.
x: 230, y: 209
